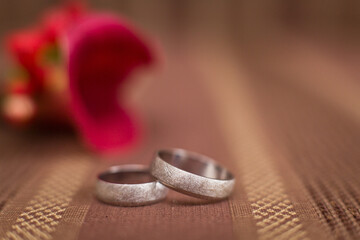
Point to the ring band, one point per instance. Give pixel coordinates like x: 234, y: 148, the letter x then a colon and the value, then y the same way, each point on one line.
x: 192, y: 174
x: 128, y: 194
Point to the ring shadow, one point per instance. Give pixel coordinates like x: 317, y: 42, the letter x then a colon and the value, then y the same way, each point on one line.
x: 180, y: 199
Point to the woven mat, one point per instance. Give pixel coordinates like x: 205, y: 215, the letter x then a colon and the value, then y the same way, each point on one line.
x: 293, y: 149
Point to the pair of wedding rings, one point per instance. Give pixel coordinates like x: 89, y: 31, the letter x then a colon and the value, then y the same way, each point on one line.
x: 183, y: 171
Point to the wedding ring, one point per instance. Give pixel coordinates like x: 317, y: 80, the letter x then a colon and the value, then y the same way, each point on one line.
x: 125, y: 185
x: 192, y: 174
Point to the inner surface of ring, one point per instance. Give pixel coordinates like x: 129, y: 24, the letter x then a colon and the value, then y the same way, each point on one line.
x: 195, y: 164
x: 127, y: 177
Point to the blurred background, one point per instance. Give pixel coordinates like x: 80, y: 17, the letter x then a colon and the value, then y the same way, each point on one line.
x: 309, y: 44
x: 314, y: 43
x: 242, y: 19
x: 271, y: 89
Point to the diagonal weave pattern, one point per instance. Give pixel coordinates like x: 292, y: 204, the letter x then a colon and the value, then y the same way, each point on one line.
x: 274, y: 213
x: 294, y: 151
x: 43, y: 213
x: 271, y: 207
x: 321, y: 150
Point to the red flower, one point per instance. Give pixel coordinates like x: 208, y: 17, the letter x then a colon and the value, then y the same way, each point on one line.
x: 86, y: 55
x: 28, y: 46
x: 57, y: 21
x: 24, y: 47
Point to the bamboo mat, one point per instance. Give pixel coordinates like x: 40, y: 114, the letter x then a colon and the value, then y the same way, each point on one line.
x: 281, y: 113
x: 294, y: 153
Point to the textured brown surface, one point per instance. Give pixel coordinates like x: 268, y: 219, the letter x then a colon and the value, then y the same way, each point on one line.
x: 281, y: 112
x: 294, y: 155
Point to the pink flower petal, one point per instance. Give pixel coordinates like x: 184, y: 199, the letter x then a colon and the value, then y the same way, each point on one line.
x: 102, y: 52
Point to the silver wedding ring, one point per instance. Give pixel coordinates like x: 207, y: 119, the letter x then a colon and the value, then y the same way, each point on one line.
x: 192, y: 174
x: 117, y: 186
x: 183, y: 171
